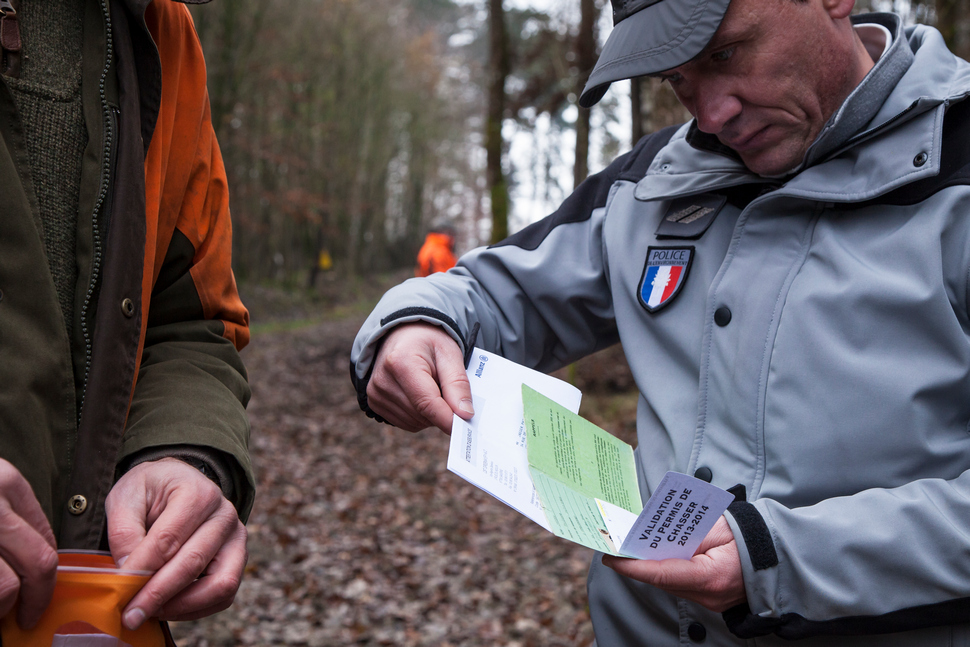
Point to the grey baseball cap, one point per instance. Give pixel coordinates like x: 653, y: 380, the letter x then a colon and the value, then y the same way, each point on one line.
x: 651, y: 36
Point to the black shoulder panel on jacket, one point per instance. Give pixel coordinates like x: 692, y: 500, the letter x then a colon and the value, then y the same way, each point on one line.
x: 792, y: 626
x: 594, y: 191
x: 644, y: 152
x: 954, y: 163
x: 174, y: 296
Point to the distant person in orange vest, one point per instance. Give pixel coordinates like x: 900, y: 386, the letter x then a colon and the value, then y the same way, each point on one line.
x: 438, y: 252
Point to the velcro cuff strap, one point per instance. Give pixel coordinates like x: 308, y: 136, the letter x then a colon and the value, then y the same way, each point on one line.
x: 754, y: 530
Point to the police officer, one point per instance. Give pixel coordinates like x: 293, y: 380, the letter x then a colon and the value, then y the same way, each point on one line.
x: 788, y: 276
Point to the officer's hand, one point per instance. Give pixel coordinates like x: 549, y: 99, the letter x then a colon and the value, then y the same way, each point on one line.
x: 165, y: 516
x: 419, y: 379
x: 28, y: 552
x: 712, y: 578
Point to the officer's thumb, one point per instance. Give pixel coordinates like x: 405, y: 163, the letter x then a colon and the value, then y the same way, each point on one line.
x: 455, y: 389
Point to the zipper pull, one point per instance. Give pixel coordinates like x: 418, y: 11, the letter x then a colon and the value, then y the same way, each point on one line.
x: 10, y: 42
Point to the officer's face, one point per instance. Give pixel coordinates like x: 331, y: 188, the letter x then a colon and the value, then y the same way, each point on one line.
x: 773, y: 74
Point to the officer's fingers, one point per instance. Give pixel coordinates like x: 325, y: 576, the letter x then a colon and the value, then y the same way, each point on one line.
x: 719, y: 535
x: 405, y: 381
x: 388, y: 399
x: 385, y: 390
x: 455, y: 389
x: 413, y: 366
x: 424, y: 395
x: 647, y: 571
x: 397, y: 415
x: 408, y: 350
x: 681, y: 577
x: 713, y: 579
x: 392, y: 387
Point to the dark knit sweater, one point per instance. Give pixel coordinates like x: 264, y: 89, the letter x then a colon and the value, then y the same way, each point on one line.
x: 48, y: 97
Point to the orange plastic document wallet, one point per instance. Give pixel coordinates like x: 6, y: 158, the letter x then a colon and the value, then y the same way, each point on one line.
x: 85, y: 611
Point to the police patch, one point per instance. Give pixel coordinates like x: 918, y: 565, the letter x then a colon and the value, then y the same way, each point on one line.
x: 664, y: 274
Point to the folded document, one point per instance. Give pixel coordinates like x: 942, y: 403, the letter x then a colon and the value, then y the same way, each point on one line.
x: 527, y: 446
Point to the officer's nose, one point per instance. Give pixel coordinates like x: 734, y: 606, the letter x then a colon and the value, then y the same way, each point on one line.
x: 714, y: 108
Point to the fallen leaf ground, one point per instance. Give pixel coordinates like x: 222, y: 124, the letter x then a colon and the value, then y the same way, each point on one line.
x: 360, y: 536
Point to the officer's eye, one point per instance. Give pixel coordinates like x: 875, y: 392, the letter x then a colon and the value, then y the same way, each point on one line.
x: 722, y: 55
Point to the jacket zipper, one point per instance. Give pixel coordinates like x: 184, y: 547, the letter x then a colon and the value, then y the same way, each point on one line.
x: 109, y: 118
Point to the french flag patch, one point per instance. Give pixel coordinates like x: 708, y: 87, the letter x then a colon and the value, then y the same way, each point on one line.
x: 663, y: 275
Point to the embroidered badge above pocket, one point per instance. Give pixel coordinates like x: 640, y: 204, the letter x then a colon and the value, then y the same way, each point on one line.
x: 664, y: 274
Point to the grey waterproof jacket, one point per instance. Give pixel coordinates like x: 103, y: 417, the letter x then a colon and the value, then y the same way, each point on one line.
x: 810, y: 350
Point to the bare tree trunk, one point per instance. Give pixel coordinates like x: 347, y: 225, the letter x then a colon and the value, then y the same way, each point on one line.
x: 585, y: 60
x: 498, y: 69
x: 355, y: 208
x: 240, y: 23
x: 581, y: 165
x: 655, y: 106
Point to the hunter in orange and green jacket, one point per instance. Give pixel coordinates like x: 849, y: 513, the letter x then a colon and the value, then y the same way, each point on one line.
x: 122, y: 396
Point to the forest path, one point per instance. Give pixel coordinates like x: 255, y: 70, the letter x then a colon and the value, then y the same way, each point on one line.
x: 360, y: 536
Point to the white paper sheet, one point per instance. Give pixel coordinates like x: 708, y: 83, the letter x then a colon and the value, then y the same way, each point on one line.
x: 489, y: 451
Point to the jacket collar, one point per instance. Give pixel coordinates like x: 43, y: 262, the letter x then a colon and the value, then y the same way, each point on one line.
x: 864, y: 102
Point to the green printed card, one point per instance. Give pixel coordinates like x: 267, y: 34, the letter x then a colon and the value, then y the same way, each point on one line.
x: 576, y: 466
x: 567, y: 474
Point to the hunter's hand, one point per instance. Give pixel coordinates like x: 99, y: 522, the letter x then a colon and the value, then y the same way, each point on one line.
x: 166, y: 517
x: 28, y: 552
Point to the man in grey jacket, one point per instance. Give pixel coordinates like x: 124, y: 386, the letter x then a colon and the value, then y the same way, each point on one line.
x: 789, y: 275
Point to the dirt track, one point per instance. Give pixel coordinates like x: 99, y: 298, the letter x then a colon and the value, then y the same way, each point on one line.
x: 360, y: 536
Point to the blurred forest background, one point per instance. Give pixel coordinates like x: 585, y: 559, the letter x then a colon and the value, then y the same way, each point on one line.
x: 348, y: 128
